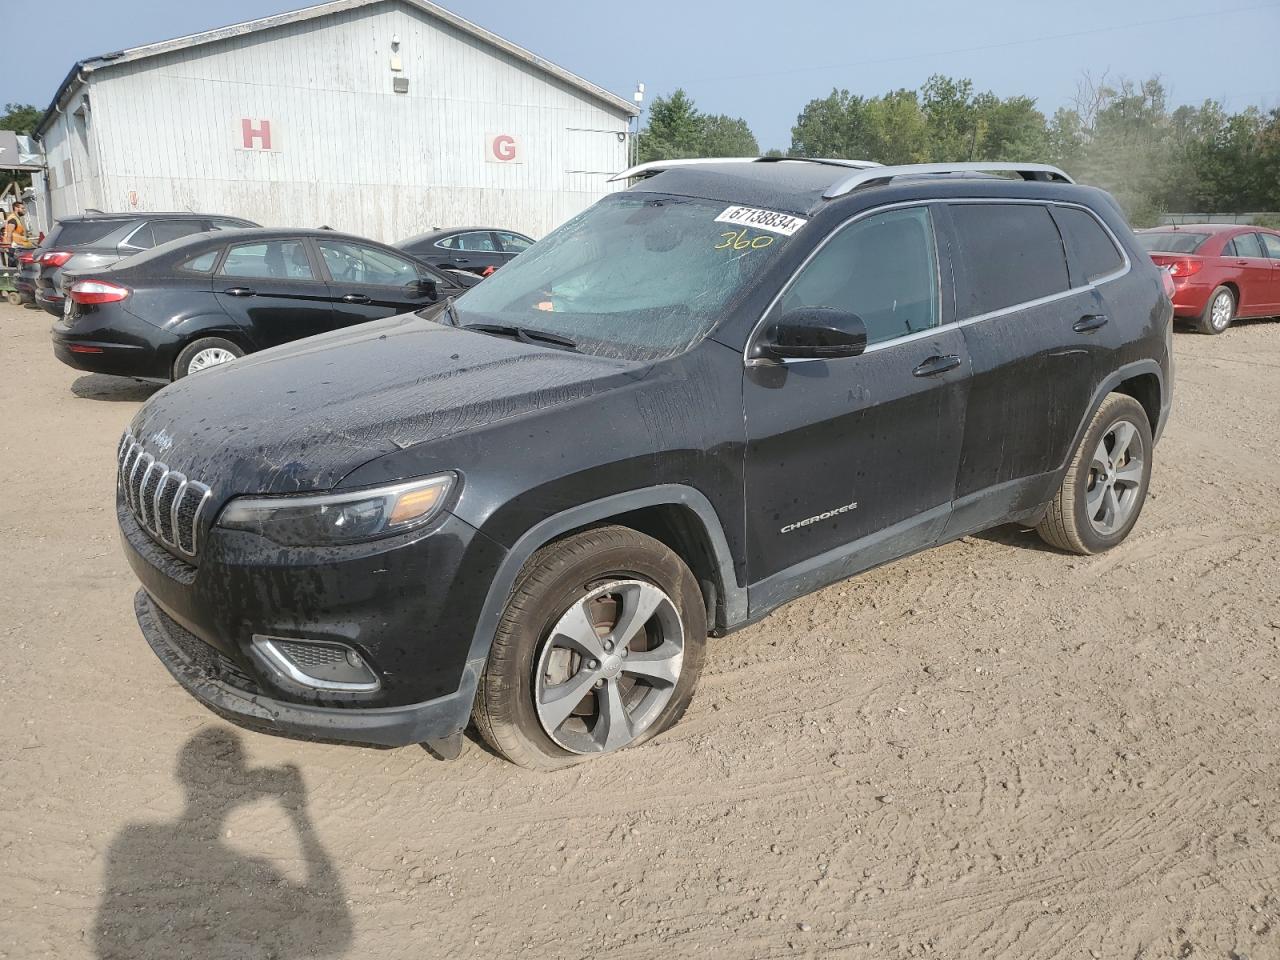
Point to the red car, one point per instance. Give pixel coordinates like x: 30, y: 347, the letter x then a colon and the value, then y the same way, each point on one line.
x: 1220, y: 271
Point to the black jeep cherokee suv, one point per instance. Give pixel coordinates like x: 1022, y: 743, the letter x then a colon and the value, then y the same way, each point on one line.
x: 703, y: 397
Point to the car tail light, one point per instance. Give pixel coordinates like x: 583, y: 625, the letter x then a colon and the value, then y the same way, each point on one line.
x: 1185, y: 268
x: 26, y: 258
x: 54, y: 258
x: 97, y: 291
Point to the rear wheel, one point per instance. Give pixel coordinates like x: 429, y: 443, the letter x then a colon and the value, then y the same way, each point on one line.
x: 599, y: 648
x: 205, y: 353
x: 1218, y: 312
x: 1106, y: 483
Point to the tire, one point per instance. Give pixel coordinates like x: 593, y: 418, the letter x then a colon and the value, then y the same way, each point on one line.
x: 1218, y: 312
x: 188, y: 360
x: 1077, y: 520
x: 531, y: 657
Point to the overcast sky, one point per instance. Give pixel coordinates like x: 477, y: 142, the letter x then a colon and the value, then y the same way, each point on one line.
x: 765, y: 60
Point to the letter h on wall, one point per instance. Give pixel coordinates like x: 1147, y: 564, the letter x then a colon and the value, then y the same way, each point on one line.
x: 261, y: 133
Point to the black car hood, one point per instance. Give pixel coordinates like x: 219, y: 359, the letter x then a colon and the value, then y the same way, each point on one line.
x: 302, y: 416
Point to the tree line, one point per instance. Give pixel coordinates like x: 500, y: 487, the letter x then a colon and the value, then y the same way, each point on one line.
x: 1117, y: 134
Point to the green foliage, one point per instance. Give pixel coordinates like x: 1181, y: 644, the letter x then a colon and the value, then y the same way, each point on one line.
x: 1120, y: 136
x: 22, y: 119
x: 944, y: 120
x: 677, y: 130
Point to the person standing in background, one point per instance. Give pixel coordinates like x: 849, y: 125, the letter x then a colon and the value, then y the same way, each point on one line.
x: 15, y: 233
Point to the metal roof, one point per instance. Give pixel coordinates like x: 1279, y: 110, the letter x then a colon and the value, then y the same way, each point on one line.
x: 88, y: 65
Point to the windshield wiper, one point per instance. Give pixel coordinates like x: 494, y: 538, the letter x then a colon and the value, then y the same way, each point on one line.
x: 523, y: 334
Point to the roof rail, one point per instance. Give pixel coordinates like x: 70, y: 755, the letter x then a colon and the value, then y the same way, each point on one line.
x: 882, y: 175
x: 654, y: 167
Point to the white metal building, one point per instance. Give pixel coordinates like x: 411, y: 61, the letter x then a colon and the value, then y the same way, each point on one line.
x: 381, y: 117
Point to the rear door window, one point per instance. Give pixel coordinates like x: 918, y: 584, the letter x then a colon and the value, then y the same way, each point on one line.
x: 1090, y: 249
x: 1013, y: 254
x: 477, y: 241
x: 883, y: 268
x: 1248, y: 245
x: 356, y: 263
x: 514, y: 243
x: 276, y: 259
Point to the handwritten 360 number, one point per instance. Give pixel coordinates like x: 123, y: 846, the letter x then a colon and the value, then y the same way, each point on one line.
x: 738, y: 240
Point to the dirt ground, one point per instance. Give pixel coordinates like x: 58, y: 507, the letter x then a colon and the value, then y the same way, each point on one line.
x: 988, y: 750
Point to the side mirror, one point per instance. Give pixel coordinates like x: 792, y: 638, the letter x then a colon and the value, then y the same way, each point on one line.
x: 813, y: 333
x: 425, y: 287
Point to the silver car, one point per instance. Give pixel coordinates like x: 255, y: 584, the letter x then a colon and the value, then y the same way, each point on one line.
x: 98, y: 240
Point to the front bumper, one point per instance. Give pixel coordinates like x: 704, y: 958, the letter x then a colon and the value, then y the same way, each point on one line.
x: 220, y: 685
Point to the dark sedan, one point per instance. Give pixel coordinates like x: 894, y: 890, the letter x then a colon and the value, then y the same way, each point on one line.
x: 200, y: 301
x: 478, y: 250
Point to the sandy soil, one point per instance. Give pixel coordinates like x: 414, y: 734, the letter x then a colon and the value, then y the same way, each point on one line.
x: 988, y: 750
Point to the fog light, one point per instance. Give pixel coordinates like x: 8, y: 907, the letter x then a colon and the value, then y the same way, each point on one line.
x: 318, y: 664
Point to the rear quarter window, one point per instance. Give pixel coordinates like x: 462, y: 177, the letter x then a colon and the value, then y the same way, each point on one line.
x: 202, y: 262
x: 1012, y: 252
x: 1090, y: 250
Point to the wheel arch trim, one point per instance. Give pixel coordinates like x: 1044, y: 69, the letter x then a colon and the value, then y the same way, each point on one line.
x: 1108, y: 386
x: 553, y: 527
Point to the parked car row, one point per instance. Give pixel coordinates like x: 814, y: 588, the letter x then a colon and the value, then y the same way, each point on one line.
x: 96, y: 241
x: 163, y: 295
x: 197, y: 302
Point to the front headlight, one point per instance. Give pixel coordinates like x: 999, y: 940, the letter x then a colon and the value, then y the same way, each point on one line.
x: 347, y: 517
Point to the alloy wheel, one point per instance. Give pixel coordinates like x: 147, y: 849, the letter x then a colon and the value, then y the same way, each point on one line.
x: 1220, y: 315
x: 1115, y: 478
x: 609, y: 666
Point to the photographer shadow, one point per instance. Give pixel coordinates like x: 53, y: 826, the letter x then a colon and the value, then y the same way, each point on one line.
x: 176, y: 889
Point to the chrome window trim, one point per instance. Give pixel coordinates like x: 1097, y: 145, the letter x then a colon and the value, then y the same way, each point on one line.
x: 264, y: 645
x: 1124, y: 269
x: 128, y: 240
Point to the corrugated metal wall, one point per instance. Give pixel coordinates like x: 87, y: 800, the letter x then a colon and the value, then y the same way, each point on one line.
x: 345, y: 149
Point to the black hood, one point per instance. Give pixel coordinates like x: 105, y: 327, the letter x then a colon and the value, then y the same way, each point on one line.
x: 302, y: 416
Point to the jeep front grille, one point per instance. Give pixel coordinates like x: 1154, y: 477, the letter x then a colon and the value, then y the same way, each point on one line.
x: 163, y: 501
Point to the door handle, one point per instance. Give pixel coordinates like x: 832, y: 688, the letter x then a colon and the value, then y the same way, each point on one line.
x: 936, y: 365
x: 1089, y: 322
x: 355, y: 298
x: 240, y: 292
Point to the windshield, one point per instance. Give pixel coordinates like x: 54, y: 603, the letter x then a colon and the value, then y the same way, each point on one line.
x: 1171, y: 241
x: 637, y: 276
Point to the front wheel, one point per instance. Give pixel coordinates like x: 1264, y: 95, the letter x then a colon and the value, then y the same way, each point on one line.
x: 1106, y: 482
x: 599, y: 648
x: 205, y: 353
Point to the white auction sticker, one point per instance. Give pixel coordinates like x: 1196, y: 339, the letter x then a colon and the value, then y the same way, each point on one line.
x: 774, y: 222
